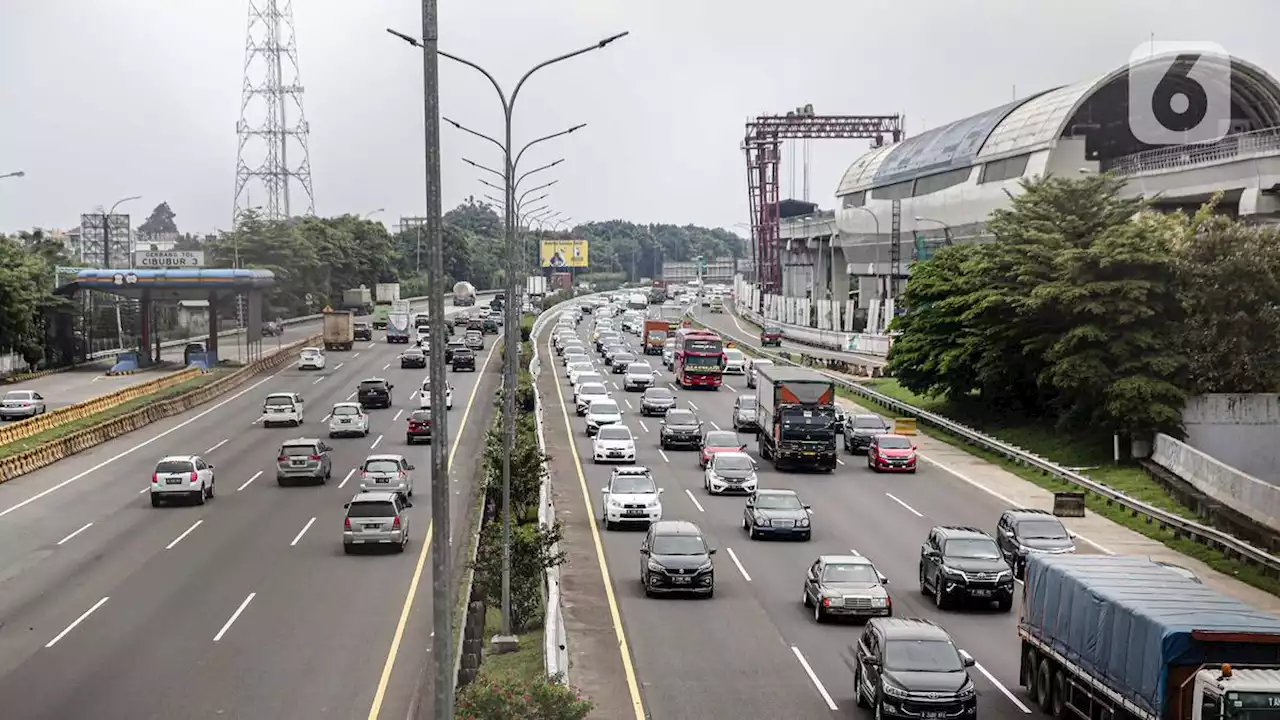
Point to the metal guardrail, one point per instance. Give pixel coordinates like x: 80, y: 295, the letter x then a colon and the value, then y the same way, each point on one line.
x: 1228, y: 545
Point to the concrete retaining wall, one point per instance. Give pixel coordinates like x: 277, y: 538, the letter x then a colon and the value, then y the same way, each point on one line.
x: 1237, y: 490
x: 1240, y: 430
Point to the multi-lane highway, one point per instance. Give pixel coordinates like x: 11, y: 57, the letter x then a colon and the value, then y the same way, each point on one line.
x: 245, y: 607
x: 730, y: 321
x: 754, y: 650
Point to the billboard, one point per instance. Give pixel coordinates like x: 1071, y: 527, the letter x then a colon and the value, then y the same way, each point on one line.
x: 561, y: 254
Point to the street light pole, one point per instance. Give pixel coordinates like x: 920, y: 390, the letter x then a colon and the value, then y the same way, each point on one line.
x: 506, y: 641
x: 106, y: 230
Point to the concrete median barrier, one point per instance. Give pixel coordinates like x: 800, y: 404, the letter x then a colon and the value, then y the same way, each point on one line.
x: 51, y: 452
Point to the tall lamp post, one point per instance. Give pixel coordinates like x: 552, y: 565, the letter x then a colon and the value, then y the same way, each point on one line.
x: 505, y: 641
x: 106, y: 230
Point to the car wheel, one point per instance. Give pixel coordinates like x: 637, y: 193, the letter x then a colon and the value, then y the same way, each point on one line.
x: 200, y: 495
x: 924, y: 588
x: 939, y: 595
x: 209, y: 491
x: 155, y: 500
x: 819, y: 615
x: 804, y: 597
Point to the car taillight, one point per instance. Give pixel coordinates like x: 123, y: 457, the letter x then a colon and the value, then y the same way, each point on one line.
x: 155, y: 477
x: 313, y: 457
x: 346, y: 523
x: 282, y: 458
x: 194, y: 476
x: 395, y: 524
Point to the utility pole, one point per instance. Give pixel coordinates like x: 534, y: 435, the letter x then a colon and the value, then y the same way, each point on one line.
x: 441, y: 589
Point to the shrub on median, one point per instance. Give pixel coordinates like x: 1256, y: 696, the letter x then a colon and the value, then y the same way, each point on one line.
x: 522, y: 699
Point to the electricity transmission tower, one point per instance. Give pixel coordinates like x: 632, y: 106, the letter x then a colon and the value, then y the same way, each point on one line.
x: 273, y: 153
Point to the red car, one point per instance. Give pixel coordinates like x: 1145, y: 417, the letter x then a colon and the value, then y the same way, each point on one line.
x: 718, y: 441
x: 771, y: 335
x: 419, y: 427
x: 891, y: 453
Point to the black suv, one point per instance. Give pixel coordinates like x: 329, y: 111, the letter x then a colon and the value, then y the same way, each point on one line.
x: 960, y: 563
x: 680, y: 428
x: 490, y: 326
x: 413, y: 358
x: 451, y: 348
x: 362, y: 331
x: 675, y: 557
x: 374, y: 393
x: 859, y: 429
x: 463, y: 359
x: 910, y: 668
x: 1024, y: 531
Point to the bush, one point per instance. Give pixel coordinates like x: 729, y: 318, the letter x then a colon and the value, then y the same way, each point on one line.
x: 532, y: 554
x: 524, y: 699
x: 526, y: 466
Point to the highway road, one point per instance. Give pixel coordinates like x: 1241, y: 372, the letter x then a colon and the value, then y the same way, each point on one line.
x: 245, y: 607
x: 731, y: 322
x: 754, y: 650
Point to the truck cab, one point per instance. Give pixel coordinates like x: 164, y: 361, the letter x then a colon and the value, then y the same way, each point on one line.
x: 1239, y: 692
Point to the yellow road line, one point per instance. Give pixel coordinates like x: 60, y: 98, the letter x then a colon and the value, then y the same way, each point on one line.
x: 623, y: 648
x: 422, y: 561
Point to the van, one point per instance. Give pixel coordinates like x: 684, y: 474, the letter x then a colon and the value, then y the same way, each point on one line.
x: 284, y: 408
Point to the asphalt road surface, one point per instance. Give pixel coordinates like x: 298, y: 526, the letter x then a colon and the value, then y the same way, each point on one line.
x: 730, y: 322
x: 754, y: 650
x: 245, y: 607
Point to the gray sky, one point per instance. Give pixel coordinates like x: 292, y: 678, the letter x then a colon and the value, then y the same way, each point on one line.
x: 103, y: 99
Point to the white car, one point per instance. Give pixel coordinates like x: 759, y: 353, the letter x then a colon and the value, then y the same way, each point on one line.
x: 753, y: 372
x: 187, y: 476
x: 348, y: 418
x: 631, y: 496
x: 600, y: 413
x: 588, y: 393
x: 388, y: 473
x: 284, y: 408
x: 311, y: 359
x: 21, y: 404
x: 669, y: 353
x: 424, y: 336
x: 424, y: 396
x: 578, y: 366
x: 730, y: 472
x: 614, y: 443
x: 638, y: 377
x: 584, y: 377
x: 735, y: 362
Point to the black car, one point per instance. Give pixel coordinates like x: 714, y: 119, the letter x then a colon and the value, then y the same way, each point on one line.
x: 657, y: 401
x: 419, y: 427
x: 362, y: 331
x: 675, y: 557
x: 490, y: 326
x: 1025, y: 531
x: 620, y: 362
x: 680, y: 428
x: 463, y: 359
x: 776, y: 513
x: 962, y: 563
x: 846, y: 586
x: 859, y: 429
x: 374, y: 393
x: 910, y: 668
x: 451, y: 348
x: 413, y: 358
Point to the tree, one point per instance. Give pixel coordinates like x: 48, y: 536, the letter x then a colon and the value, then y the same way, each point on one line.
x: 159, y: 222
x: 23, y: 295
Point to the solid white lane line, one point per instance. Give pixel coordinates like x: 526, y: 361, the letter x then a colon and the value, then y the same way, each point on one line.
x: 734, y: 557
x: 215, y: 447
x: 302, y: 532
x: 185, y: 533
x: 350, y: 472
x: 339, y: 366
x: 375, y: 442
x: 246, y: 482
x: 1000, y: 686
x: 908, y: 507
x: 129, y: 451
x: 86, y: 527
x: 398, y: 414
x: 664, y: 455
x: 694, y: 499
x: 643, y: 426
x: 233, y: 617
x: 813, y: 677
x: 76, y: 622
x: 317, y: 381
x: 384, y: 367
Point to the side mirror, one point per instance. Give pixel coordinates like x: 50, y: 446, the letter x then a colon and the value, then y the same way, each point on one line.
x: 967, y: 659
x: 210, y: 467
x: 408, y: 504
x: 808, y: 508
x: 661, y: 490
x: 711, y: 551
x: 883, y: 580
x: 411, y: 467
x: 871, y: 662
x: 742, y: 446
x: 644, y: 551
x: 346, y: 506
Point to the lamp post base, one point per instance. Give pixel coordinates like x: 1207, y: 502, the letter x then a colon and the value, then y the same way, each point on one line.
x: 502, y: 644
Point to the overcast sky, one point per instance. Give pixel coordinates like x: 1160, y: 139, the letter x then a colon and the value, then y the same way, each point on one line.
x: 102, y: 99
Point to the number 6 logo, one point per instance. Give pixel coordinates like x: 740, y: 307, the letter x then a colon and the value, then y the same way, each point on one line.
x: 1179, y: 93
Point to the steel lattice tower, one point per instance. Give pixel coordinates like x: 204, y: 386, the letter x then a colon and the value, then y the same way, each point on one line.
x: 272, y: 127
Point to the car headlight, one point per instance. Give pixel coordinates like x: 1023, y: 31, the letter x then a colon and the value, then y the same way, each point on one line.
x: 802, y: 522
x: 1004, y: 575
x: 656, y: 567
x: 966, y: 691
x: 654, y: 504
x: 704, y: 566
x: 614, y: 504
x: 750, y: 478
x: 762, y: 521
x: 949, y: 572
x: 879, y: 602
x: 893, y: 690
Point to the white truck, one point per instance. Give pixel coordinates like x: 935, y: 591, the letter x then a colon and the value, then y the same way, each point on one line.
x: 464, y: 294
x: 535, y: 286
x: 386, y: 293
x: 339, y: 330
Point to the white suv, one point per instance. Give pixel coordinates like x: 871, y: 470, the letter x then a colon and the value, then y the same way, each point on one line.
x: 630, y: 497
x: 601, y: 413
x: 185, y: 476
x: 638, y: 377
x: 614, y: 443
x: 311, y: 359
x: 284, y: 408
x: 588, y: 393
x: 348, y: 418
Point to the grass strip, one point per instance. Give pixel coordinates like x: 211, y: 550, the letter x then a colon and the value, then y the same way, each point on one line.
x: 60, y: 431
x: 525, y: 663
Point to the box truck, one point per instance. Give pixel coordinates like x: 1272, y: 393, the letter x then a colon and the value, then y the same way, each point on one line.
x: 339, y: 330
x: 797, y: 417
x: 358, y: 300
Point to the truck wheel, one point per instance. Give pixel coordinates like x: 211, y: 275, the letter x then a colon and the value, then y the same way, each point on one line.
x: 1059, y: 694
x: 1044, y: 686
x: 1027, y: 673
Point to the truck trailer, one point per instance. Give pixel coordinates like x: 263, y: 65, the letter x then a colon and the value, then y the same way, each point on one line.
x: 358, y: 300
x: 398, y: 328
x: 797, y: 417
x: 339, y: 330
x: 464, y: 294
x: 1125, y: 638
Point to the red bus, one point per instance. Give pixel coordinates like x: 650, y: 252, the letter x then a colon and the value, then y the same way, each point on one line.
x: 699, y: 358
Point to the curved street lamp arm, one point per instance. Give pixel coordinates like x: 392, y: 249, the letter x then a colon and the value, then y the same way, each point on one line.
x: 548, y: 166
x: 478, y: 166
x: 480, y: 135
x: 112, y: 211
x: 543, y: 186
x: 516, y: 162
x: 597, y: 46
x: 486, y: 183
x: 492, y: 80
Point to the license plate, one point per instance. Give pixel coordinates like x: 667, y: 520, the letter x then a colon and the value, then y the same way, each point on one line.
x: 681, y: 580
x: 615, y: 454
x: 933, y: 715
x: 981, y: 593
x: 345, y: 422
x: 373, y: 527
x: 173, y: 481
x: 298, y: 463
x: 382, y: 480
x: 634, y: 513
x: 810, y: 453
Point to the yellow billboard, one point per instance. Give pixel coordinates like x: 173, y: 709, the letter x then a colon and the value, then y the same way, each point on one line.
x: 564, y: 254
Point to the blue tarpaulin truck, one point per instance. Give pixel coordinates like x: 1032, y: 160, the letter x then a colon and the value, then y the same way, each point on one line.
x: 1125, y: 638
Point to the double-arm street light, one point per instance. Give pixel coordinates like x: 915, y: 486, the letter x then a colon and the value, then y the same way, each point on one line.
x: 506, y: 641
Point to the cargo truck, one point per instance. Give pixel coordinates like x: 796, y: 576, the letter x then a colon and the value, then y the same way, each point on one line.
x: 358, y: 300
x: 656, y: 331
x: 398, y: 328
x: 339, y: 330
x: 1125, y: 638
x: 386, y: 293
x: 464, y: 294
x: 400, y: 307
x: 535, y: 287
x: 797, y: 416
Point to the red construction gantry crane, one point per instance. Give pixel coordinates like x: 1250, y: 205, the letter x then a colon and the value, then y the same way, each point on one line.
x: 763, y: 147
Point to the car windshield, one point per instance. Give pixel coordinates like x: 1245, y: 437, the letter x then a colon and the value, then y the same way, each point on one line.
x: 895, y: 443
x: 592, y: 389
x: 17, y: 395
x: 721, y: 438
x: 279, y: 401
x: 733, y: 462
x: 371, y: 385
x: 623, y: 358
x: 775, y: 502
x: 604, y: 407
x: 658, y: 394
x: 678, y: 545
x: 345, y: 410
x: 1042, y: 530
x: 868, y: 422
x: 747, y: 403
x: 298, y: 450
x: 735, y: 355
x: 175, y: 466
x: 614, y: 433
x: 420, y: 415
x: 580, y: 366
x: 773, y: 330
x: 381, y: 466
x: 633, y: 484
x: 590, y: 378
x: 922, y: 656
x: 849, y: 573
x: 681, y: 417
x: 973, y: 548
x: 371, y: 510
x: 639, y: 369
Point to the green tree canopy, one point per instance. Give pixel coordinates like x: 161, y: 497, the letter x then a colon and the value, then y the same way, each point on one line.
x: 159, y: 222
